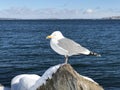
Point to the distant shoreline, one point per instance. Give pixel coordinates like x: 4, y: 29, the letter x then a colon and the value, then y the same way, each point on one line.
x: 108, y: 18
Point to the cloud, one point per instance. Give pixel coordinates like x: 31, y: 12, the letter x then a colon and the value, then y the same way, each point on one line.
x: 15, y: 12
x: 54, y: 13
x: 89, y: 11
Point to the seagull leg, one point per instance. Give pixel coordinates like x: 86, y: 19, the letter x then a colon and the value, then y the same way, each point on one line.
x: 66, y: 59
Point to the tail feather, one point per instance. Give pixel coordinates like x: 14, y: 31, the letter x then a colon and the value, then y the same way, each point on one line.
x: 95, y: 54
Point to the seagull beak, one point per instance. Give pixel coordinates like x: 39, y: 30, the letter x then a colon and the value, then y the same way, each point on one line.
x: 48, y: 37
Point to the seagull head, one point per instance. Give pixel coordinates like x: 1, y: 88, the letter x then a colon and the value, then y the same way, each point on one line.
x: 55, y: 35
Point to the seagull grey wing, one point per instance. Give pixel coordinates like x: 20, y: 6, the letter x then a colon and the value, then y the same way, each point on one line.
x: 72, y: 47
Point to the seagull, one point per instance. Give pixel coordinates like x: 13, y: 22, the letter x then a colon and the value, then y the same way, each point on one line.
x: 67, y: 47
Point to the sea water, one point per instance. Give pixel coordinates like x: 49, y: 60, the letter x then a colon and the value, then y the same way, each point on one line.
x: 25, y: 50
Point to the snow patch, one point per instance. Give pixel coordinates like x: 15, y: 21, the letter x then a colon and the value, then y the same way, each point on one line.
x: 85, y: 77
x: 24, y: 81
x: 89, y: 79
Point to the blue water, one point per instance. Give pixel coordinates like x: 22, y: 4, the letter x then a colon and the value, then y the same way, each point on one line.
x: 24, y: 48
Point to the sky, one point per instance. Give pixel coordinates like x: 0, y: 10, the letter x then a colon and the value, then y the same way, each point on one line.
x: 59, y: 9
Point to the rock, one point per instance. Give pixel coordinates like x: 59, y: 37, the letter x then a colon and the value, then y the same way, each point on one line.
x: 66, y: 78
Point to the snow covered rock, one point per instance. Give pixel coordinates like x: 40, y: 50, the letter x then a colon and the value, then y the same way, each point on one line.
x: 59, y: 77
x: 66, y: 78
